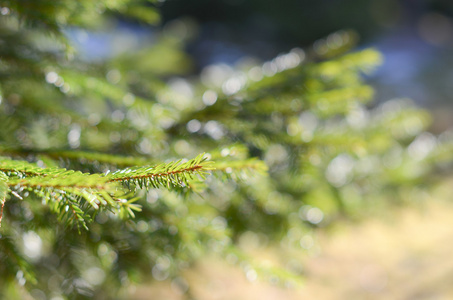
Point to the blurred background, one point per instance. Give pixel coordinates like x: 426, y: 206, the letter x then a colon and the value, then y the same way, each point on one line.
x: 406, y: 254
x: 402, y: 254
x: 415, y: 37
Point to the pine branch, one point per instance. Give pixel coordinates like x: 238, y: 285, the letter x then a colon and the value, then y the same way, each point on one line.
x: 21, y: 169
x: 27, y: 176
x: 173, y: 174
x: 70, y: 180
x: 72, y: 194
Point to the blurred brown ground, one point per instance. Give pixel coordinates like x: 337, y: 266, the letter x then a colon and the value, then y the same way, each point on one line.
x: 408, y: 254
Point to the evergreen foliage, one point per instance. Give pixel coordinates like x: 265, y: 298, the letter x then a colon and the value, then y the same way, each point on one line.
x: 97, y: 187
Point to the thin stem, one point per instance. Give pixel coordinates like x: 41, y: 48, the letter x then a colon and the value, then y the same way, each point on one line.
x: 1, y: 210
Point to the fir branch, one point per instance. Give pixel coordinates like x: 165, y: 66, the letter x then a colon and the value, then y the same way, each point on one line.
x: 69, y: 180
x: 22, y: 169
x: 172, y: 174
x: 65, y: 191
x: 72, y: 193
x: 72, y: 197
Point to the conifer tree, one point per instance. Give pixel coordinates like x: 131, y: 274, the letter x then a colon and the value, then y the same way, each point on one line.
x: 117, y: 170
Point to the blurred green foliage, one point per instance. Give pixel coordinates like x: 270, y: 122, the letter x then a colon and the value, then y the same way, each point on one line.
x: 294, y: 144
